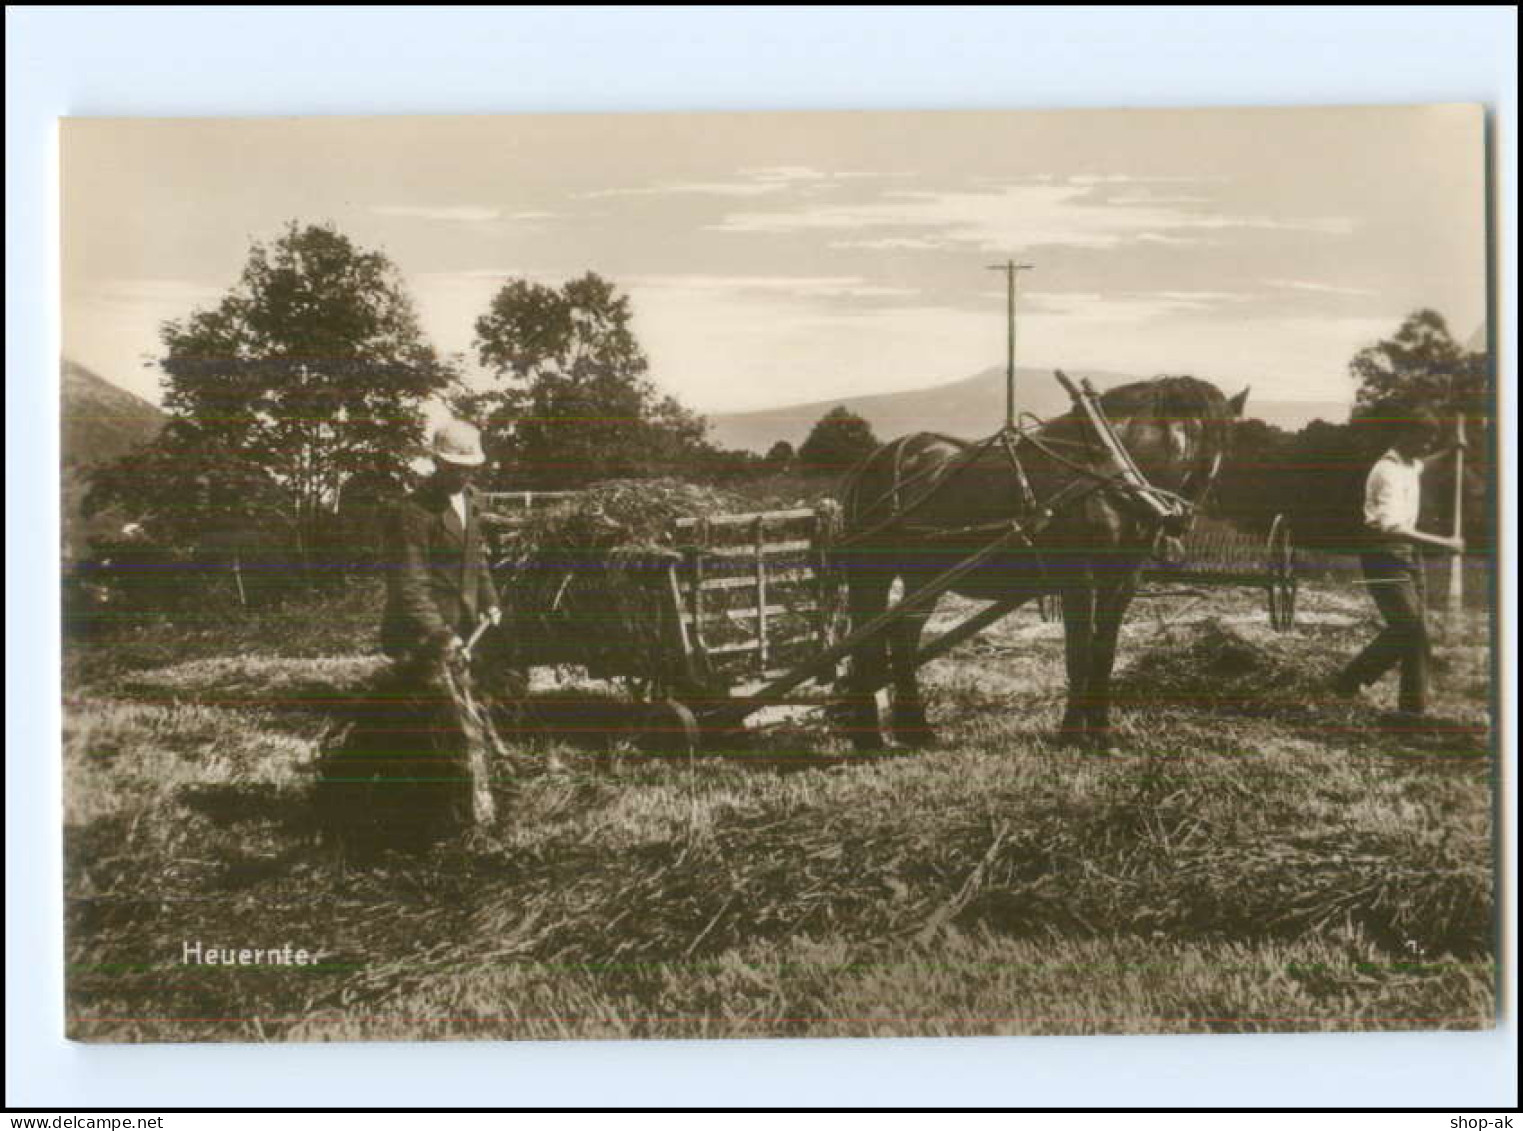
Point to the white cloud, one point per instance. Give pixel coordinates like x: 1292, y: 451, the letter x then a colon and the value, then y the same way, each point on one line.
x: 1124, y: 308
x: 890, y: 243
x: 700, y: 188
x: 1026, y: 215
x: 785, y: 173
x: 756, y: 180
x: 1316, y: 288
x: 497, y: 273
x: 817, y: 286
x: 1129, y: 179
x: 1155, y: 198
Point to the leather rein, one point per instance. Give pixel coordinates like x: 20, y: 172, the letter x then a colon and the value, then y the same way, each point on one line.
x: 1166, y: 511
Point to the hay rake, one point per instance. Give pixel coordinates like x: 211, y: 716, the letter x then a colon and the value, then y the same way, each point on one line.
x: 1219, y: 555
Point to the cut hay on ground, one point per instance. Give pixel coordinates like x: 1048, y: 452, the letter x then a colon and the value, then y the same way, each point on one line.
x: 1236, y: 871
x: 260, y: 681
x: 1215, y: 665
x: 1251, y: 671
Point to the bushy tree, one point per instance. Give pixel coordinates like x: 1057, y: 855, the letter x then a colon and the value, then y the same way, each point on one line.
x: 1422, y: 366
x: 838, y: 439
x: 1322, y: 486
x: 1316, y: 476
x: 1250, y: 487
x: 188, y: 482
x: 780, y: 456
x: 574, y: 403
x: 312, y: 369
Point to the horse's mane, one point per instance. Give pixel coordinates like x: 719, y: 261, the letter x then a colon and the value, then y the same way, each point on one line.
x: 1166, y: 395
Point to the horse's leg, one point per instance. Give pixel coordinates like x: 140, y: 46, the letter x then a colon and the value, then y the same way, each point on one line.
x: 1078, y: 640
x: 909, y: 721
x: 866, y: 596
x: 1110, y: 611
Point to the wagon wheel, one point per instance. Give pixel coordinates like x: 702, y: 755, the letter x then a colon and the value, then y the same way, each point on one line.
x: 1280, y: 576
x: 667, y: 726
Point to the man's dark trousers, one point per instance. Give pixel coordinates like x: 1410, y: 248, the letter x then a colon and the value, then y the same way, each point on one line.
x: 1395, y: 578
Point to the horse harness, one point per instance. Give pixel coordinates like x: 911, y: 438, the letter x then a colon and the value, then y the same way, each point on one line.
x: 1167, y: 512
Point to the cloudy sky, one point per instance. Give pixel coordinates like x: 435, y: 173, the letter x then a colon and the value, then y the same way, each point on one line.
x: 775, y: 258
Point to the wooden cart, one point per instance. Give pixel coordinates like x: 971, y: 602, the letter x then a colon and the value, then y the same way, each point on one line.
x: 735, y: 601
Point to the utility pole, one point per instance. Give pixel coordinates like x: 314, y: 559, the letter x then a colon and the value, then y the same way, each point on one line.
x: 1010, y: 268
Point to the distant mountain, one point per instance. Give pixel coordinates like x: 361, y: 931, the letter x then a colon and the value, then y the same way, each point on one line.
x: 972, y: 407
x: 99, y: 422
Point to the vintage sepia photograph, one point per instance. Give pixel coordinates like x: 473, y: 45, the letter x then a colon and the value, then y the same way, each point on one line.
x: 724, y: 575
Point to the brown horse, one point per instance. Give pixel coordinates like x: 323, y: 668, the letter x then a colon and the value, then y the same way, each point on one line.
x: 923, y: 502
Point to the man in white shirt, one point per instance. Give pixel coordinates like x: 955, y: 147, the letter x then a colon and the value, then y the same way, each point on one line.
x: 1393, y: 568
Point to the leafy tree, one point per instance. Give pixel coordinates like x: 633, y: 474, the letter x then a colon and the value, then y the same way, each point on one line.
x: 312, y: 369
x: 1322, y: 486
x: 780, y: 456
x: 1316, y: 476
x: 185, y: 492
x: 1251, y: 486
x: 576, y: 405
x: 838, y: 439
x: 185, y: 483
x: 726, y: 466
x: 1421, y: 364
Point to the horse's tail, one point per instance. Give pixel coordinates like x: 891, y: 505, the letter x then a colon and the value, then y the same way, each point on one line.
x: 857, y: 504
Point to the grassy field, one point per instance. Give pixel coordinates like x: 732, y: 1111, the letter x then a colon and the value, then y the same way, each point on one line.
x: 1260, y: 858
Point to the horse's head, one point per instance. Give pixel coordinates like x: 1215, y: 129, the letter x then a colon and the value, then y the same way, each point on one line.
x: 1177, y: 429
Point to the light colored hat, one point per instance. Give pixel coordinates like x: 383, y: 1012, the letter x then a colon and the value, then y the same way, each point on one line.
x: 457, y: 442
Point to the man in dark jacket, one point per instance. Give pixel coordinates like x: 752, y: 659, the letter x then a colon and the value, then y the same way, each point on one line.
x: 427, y: 741
x: 439, y: 586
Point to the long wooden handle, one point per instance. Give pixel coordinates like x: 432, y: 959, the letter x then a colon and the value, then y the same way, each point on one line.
x: 481, y: 627
x: 1456, y: 594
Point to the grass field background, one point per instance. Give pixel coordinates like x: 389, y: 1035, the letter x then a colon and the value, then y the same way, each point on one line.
x: 1261, y: 857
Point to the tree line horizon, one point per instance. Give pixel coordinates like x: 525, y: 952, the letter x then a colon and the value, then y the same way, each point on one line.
x: 298, y: 399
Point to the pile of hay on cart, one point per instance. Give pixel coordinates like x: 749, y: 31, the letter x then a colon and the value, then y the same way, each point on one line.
x: 586, y: 581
